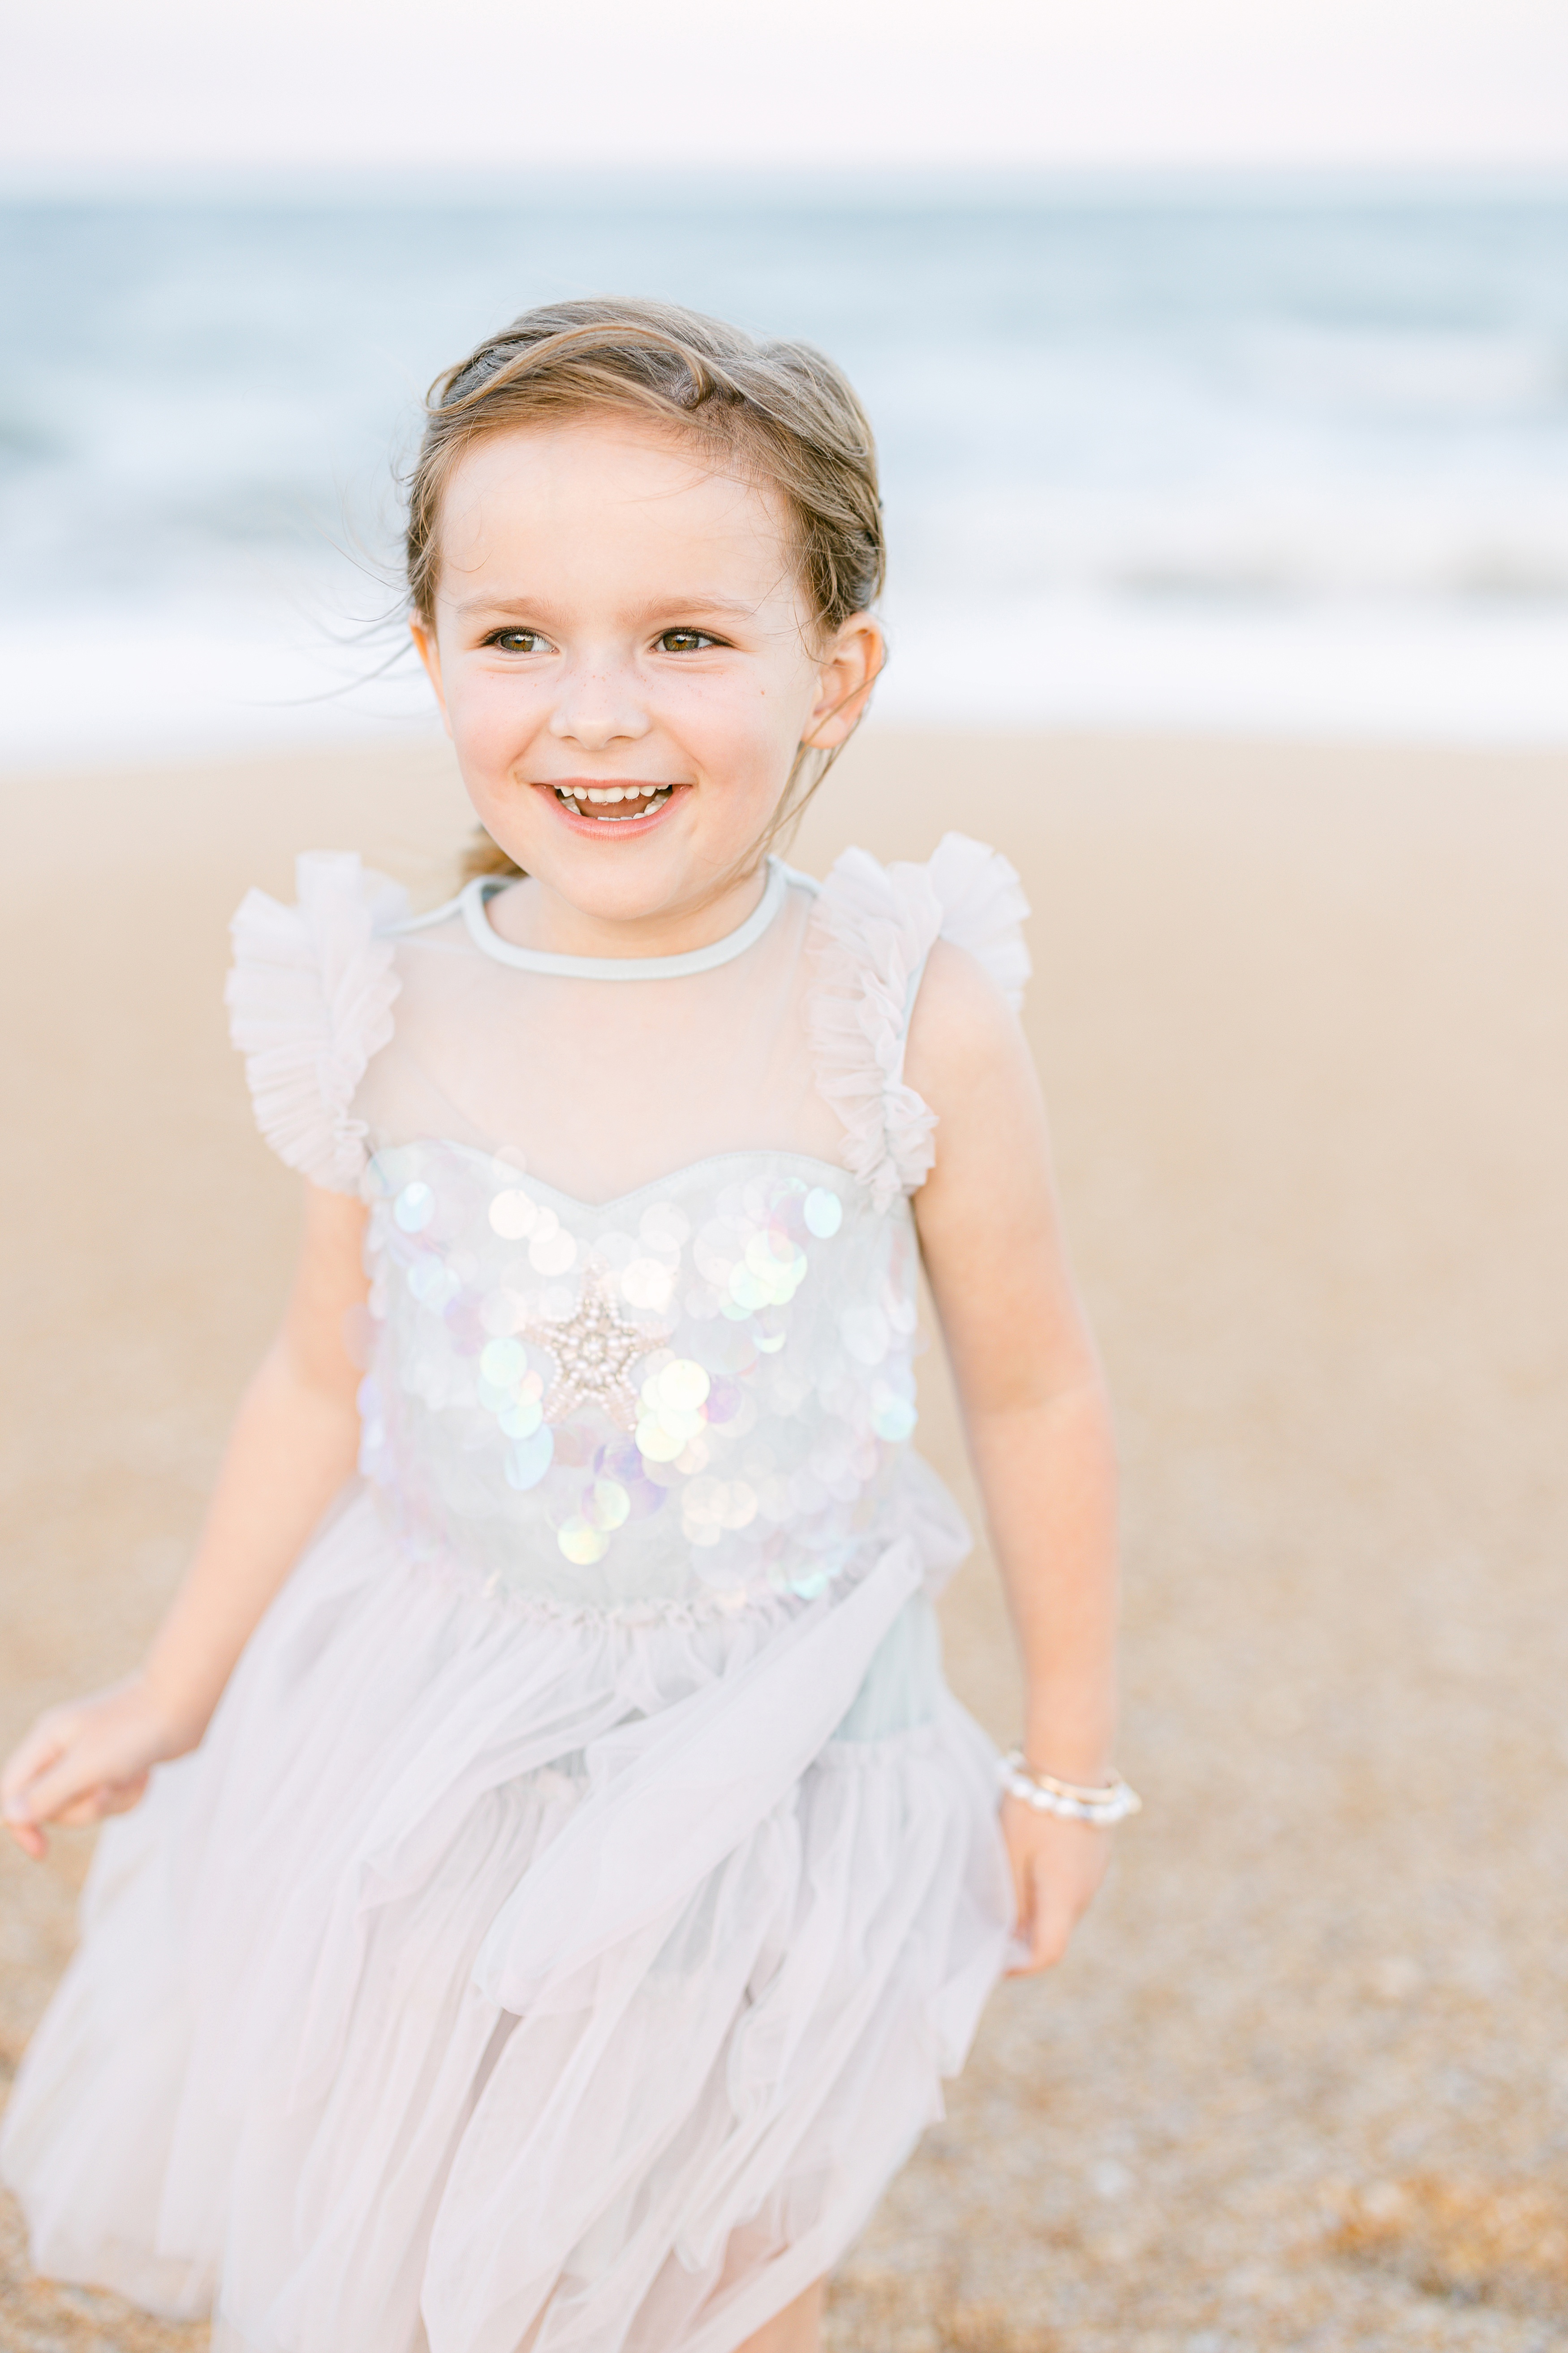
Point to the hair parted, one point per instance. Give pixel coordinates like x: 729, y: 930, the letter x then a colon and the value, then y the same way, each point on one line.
x: 781, y: 411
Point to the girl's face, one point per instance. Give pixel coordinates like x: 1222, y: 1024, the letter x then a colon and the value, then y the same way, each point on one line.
x: 614, y: 620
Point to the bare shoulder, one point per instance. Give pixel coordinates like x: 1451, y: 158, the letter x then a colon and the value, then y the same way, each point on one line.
x: 964, y: 1036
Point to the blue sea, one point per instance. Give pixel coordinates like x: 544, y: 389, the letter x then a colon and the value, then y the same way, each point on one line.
x: 1281, y: 458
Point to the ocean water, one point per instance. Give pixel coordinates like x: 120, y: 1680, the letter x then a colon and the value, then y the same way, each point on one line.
x: 1275, y: 459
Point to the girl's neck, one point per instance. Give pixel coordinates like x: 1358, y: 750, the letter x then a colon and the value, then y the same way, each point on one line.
x: 531, y: 915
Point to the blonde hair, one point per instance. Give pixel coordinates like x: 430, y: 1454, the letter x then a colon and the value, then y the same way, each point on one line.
x: 781, y: 410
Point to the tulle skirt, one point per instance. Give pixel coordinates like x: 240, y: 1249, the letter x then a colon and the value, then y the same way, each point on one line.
x: 491, y: 1981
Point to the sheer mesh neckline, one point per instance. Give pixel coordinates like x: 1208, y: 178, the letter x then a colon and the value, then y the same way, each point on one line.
x: 474, y: 899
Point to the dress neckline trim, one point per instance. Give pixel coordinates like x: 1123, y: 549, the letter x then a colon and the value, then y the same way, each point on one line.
x: 475, y: 897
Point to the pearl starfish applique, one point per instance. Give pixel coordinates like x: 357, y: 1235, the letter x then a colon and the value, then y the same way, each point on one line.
x: 594, y: 1349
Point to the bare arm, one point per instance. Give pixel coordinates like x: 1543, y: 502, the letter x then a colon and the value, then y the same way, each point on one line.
x: 1034, y: 1410
x: 294, y: 1443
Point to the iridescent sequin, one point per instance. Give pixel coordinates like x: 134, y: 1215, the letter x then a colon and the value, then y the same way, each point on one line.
x: 415, y: 1206
x: 607, y: 1503
x: 522, y: 1419
x: 683, y: 1385
x: 530, y: 1459
x: 512, y: 1214
x: 582, y: 1542
x: 823, y: 1213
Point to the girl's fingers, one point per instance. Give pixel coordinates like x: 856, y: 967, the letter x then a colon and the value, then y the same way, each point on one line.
x: 1052, y: 1928
x: 119, y: 1796
x: 74, y: 1813
x: 1022, y: 1892
x: 1054, y: 1879
x: 41, y: 1746
x: 75, y: 1765
x: 56, y: 1793
x: 1042, y: 1928
x: 83, y: 1811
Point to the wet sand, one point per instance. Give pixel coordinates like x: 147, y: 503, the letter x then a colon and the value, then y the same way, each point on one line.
x: 1303, y: 1018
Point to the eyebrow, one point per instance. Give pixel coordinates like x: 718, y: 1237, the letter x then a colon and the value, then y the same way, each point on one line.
x: 538, y: 608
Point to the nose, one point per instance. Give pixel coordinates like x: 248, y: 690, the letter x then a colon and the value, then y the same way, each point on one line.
x: 599, y: 704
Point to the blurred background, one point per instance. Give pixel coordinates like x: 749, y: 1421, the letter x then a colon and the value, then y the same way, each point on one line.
x: 1219, y: 357
x: 1220, y: 367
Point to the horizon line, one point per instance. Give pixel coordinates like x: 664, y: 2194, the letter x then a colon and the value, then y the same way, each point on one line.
x: 805, y: 184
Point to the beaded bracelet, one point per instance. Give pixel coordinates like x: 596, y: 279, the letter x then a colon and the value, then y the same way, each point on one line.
x: 1104, y: 1808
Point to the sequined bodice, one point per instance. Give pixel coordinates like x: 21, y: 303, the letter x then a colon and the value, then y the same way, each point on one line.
x: 695, y: 1396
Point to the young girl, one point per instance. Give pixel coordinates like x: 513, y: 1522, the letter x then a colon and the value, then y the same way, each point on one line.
x: 578, y: 1878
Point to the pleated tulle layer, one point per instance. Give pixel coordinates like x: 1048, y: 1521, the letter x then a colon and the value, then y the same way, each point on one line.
x: 488, y: 1982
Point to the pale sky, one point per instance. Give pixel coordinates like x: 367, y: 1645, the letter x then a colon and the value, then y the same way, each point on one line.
x: 502, y: 85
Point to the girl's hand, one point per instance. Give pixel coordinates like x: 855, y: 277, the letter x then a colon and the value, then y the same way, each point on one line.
x: 86, y: 1759
x: 1057, y: 1867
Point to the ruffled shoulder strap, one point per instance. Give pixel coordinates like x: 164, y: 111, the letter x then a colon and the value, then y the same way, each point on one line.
x: 872, y: 930
x: 310, y: 998
x: 983, y: 909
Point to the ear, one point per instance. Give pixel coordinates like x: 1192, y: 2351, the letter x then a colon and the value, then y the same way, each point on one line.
x: 849, y: 670
x: 429, y: 653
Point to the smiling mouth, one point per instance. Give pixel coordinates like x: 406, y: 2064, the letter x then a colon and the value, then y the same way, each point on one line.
x: 613, y: 804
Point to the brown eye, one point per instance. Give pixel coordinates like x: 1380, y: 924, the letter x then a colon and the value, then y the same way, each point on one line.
x: 685, y: 641
x: 517, y: 641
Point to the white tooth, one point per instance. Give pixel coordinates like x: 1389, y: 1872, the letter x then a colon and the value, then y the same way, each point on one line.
x: 658, y: 795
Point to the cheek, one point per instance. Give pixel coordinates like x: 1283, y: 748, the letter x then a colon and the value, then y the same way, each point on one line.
x: 737, y: 728
x: 493, y: 719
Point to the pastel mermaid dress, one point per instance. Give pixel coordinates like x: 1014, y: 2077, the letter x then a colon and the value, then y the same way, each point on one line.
x: 559, y: 1937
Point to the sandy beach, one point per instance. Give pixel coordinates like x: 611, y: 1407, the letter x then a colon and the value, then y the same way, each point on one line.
x: 1302, y: 1014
